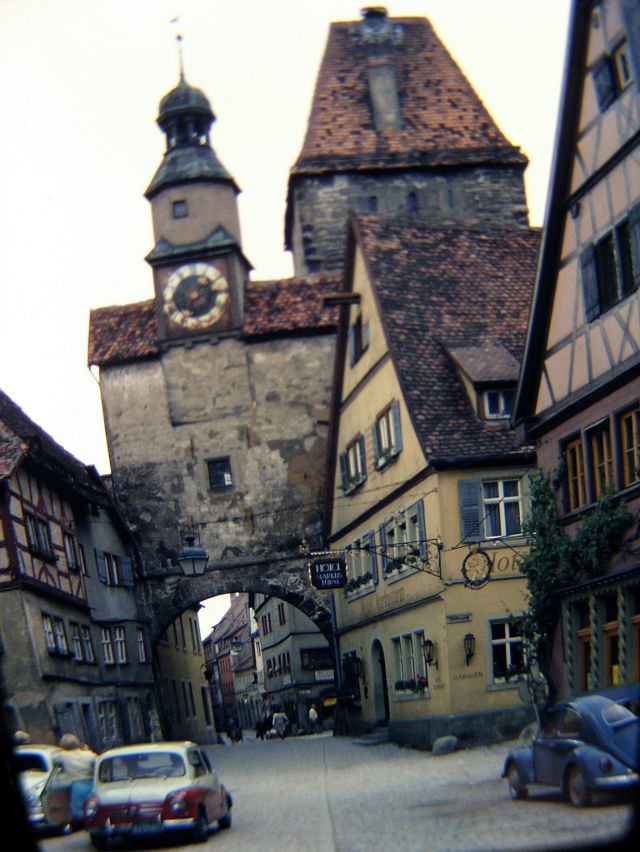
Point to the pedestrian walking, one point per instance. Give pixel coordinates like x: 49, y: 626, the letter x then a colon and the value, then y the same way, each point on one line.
x: 314, y: 719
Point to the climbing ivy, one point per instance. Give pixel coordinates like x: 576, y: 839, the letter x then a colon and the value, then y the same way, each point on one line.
x: 556, y: 560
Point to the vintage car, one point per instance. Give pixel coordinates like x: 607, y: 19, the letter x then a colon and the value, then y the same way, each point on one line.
x: 584, y: 746
x: 155, y: 788
x: 35, y: 765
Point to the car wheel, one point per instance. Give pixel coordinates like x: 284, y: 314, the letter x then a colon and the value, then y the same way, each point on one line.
x: 225, y: 820
x: 577, y: 789
x: 517, y: 789
x: 201, y: 828
x: 99, y: 841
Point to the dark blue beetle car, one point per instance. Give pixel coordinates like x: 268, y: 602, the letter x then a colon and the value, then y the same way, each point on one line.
x: 587, y: 745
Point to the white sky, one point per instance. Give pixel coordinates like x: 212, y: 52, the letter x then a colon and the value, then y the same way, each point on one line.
x: 80, y: 82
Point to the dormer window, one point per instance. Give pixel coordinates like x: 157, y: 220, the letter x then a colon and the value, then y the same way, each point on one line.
x: 497, y: 404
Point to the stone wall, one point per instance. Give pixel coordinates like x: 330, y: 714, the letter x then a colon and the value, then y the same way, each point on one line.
x: 322, y: 203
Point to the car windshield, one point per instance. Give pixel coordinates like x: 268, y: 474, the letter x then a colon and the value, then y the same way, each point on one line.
x: 617, y: 715
x: 31, y: 762
x: 157, y: 764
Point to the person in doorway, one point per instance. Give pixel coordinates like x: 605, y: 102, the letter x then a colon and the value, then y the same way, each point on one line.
x: 314, y: 719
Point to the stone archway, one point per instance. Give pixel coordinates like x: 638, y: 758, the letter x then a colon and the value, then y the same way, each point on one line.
x: 164, y: 596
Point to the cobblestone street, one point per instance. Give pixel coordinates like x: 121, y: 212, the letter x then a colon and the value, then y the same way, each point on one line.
x: 334, y: 795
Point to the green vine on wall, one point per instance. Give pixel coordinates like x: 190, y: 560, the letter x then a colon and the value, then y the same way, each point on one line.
x: 556, y: 560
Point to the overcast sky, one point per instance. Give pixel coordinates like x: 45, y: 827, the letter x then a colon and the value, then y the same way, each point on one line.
x: 80, y: 82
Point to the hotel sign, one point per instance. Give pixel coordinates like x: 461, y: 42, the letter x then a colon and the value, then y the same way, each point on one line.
x: 328, y: 573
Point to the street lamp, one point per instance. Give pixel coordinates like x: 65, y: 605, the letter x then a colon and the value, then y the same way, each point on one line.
x: 429, y: 649
x: 191, y: 559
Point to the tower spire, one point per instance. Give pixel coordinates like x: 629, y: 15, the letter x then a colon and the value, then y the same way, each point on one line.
x: 179, y: 42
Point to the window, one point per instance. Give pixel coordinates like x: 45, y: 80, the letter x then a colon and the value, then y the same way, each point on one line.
x: 412, y: 202
x: 362, y: 564
x: 507, y: 650
x: 179, y: 208
x: 120, y: 642
x: 610, y: 269
x: 611, y: 74
x: 266, y: 624
x: 403, y: 539
x: 108, y: 721
x: 386, y: 435
x: 49, y: 636
x: 107, y: 646
x: 76, y: 642
x: 316, y: 658
x: 87, y: 644
x: 220, y: 474
x: 71, y: 552
x: 195, y: 640
x: 600, y: 460
x: 114, y: 570
x: 353, y: 469
x: 282, y: 617
x: 142, y: 650
x: 410, y: 667
x: 576, y: 492
x: 497, y: 404
x: 629, y: 436
x: 204, y: 694
x: 502, y: 508
x: 357, y: 339
x: 38, y: 537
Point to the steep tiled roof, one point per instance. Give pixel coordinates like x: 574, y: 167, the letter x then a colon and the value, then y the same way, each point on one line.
x: 444, y: 120
x: 122, y: 333
x: 445, y: 288
x: 290, y: 305
x: 488, y: 362
x: 20, y: 436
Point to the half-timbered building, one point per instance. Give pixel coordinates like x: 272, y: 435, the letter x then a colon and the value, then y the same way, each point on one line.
x: 579, y: 391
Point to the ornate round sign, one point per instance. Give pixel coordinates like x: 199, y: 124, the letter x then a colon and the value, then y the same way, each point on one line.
x: 476, y: 568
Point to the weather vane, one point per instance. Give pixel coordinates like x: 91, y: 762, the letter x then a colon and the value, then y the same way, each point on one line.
x: 179, y: 40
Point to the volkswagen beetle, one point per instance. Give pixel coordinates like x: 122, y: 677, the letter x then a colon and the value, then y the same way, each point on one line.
x: 155, y: 788
x: 584, y: 746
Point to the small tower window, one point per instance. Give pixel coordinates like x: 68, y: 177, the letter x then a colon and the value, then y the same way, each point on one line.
x: 372, y: 203
x: 220, y: 474
x: 412, y: 202
x: 179, y: 209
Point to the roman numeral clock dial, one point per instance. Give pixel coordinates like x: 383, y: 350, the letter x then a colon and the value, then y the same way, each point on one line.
x: 195, y: 296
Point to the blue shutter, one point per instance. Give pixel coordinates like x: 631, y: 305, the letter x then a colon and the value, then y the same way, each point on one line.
x: 126, y: 571
x: 470, y: 519
x: 343, y: 470
x: 102, y: 566
x: 395, y: 419
x: 374, y: 441
x: 365, y: 336
x: 373, y: 557
x: 634, y: 240
x: 590, y: 283
x: 422, y: 531
x: 630, y: 11
x: 351, y: 345
x: 363, y: 457
x: 383, y: 549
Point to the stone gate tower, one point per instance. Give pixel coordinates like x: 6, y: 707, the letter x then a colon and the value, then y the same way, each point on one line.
x: 216, y: 391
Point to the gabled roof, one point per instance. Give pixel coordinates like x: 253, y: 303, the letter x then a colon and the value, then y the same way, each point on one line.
x: 444, y: 122
x: 559, y: 189
x: 442, y: 289
x: 123, y: 333
x: 21, y: 438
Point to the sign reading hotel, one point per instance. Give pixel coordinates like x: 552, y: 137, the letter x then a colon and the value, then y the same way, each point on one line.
x: 329, y: 573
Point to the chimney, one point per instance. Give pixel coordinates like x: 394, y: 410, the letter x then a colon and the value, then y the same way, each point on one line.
x: 377, y: 36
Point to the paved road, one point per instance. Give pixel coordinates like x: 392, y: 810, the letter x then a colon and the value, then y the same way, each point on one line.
x: 328, y: 794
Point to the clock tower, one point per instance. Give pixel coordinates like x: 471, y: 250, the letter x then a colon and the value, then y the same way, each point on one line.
x: 199, y: 270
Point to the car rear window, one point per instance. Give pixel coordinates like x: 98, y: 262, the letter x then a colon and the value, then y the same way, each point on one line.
x: 615, y: 714
x: 130, y: 767
x: 31, y: 763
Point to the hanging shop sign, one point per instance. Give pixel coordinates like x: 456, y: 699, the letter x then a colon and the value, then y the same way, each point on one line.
x: 476, y: 568
x: 328, y: 573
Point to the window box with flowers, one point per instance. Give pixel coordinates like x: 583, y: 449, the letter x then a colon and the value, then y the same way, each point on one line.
x: 357, y: 585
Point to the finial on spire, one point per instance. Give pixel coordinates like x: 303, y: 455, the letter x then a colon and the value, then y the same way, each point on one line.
x: 179, y: 40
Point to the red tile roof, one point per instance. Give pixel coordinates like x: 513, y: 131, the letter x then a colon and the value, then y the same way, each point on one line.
x: 444, y: 120
x: 443, y: 288
x: 123, y: 333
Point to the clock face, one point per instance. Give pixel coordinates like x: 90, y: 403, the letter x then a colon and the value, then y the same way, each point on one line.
x: 195, y: 296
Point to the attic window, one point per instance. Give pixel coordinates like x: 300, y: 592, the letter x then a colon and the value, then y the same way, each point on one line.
x: 497, y: 404
x: 358, y: 339
x: 611, y: 74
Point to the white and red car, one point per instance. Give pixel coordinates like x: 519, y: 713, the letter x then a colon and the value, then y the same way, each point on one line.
x: 155, y: 788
